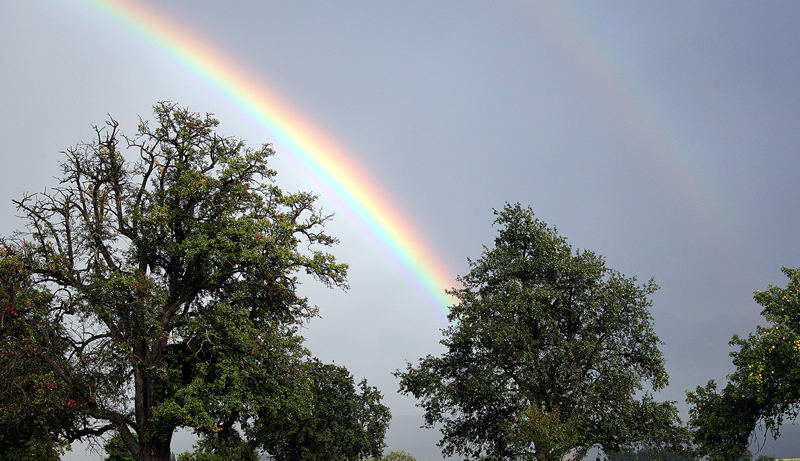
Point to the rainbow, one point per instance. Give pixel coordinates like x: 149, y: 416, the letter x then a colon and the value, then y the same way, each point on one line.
x: 669, y: 156
x: 327, y: 161
x: 610, y: 80
x: 563, y: 27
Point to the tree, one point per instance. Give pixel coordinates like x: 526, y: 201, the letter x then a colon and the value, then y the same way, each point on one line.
x: 546, y: 353
x: 721, y: 422
x: 765, y: 386
x: 116, y: 450
x: 651, y: 454
x: 221, y: 447
x: 160, y: 285
x: 34, y: 419
x: 343, y: 424
x: 396, y: 456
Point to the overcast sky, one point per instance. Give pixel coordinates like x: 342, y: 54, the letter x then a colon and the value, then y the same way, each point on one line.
x: 663, y: 135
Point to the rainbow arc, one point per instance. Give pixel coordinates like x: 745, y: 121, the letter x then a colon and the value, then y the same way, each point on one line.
x: 320, y: 155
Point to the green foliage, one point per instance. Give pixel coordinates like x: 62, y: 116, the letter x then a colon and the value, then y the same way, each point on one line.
x: 116, y: 449
x: 398, y: 456
x: 201, y: 456
x: 650, y: 454
x: 38, y: 448
x: 221, y: 446
x: 746, y: 455
x: 158, y: 289
x: 765, y: 387
x: 721, y: 422
x: 341, y: 423
x: 35, y: 412
x: 394, y: 456
x: 551, y: 434
x: 547, y: 351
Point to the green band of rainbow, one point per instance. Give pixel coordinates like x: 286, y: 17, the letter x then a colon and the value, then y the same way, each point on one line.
x: 322, y: 157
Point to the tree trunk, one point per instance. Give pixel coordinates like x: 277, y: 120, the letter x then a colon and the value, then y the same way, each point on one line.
x: 156, y: 450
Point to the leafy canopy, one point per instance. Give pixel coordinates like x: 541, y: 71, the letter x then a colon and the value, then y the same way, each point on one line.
x: 546, y: 354
x: 156, y: 287
x: 344, y: 423
x: 764, y: 388
x: 395, y: 456
x: 34, y: 420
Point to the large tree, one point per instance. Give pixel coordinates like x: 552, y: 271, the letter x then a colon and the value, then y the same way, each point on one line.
x: 548, y: 353
x: 345, y: 422
x: 159, y: 286
x: 764, y: 388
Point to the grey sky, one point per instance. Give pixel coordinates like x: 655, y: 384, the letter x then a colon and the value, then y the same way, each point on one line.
x: 662, y: 135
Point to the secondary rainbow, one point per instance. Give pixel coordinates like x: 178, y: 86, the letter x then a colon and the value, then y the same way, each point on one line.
x: 635, y: 112
x: 320, y: 155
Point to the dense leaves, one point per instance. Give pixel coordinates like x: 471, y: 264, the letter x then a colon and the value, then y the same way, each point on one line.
x: 222, y: 446
x: 343, y: 424
x: 547, y: 353
x: 37, y: 411
x: 653, y: 454
x: 116, y: 450
x: 396, y: 456
x: 156, y: 288
x: 764, y: 388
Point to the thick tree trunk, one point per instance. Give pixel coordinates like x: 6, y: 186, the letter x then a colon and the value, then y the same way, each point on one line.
x: 156, y: 446
x: 156, y: 450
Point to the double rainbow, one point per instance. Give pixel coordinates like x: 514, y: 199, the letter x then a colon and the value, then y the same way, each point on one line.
x: 631, y: 106
x: 321, y: 156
